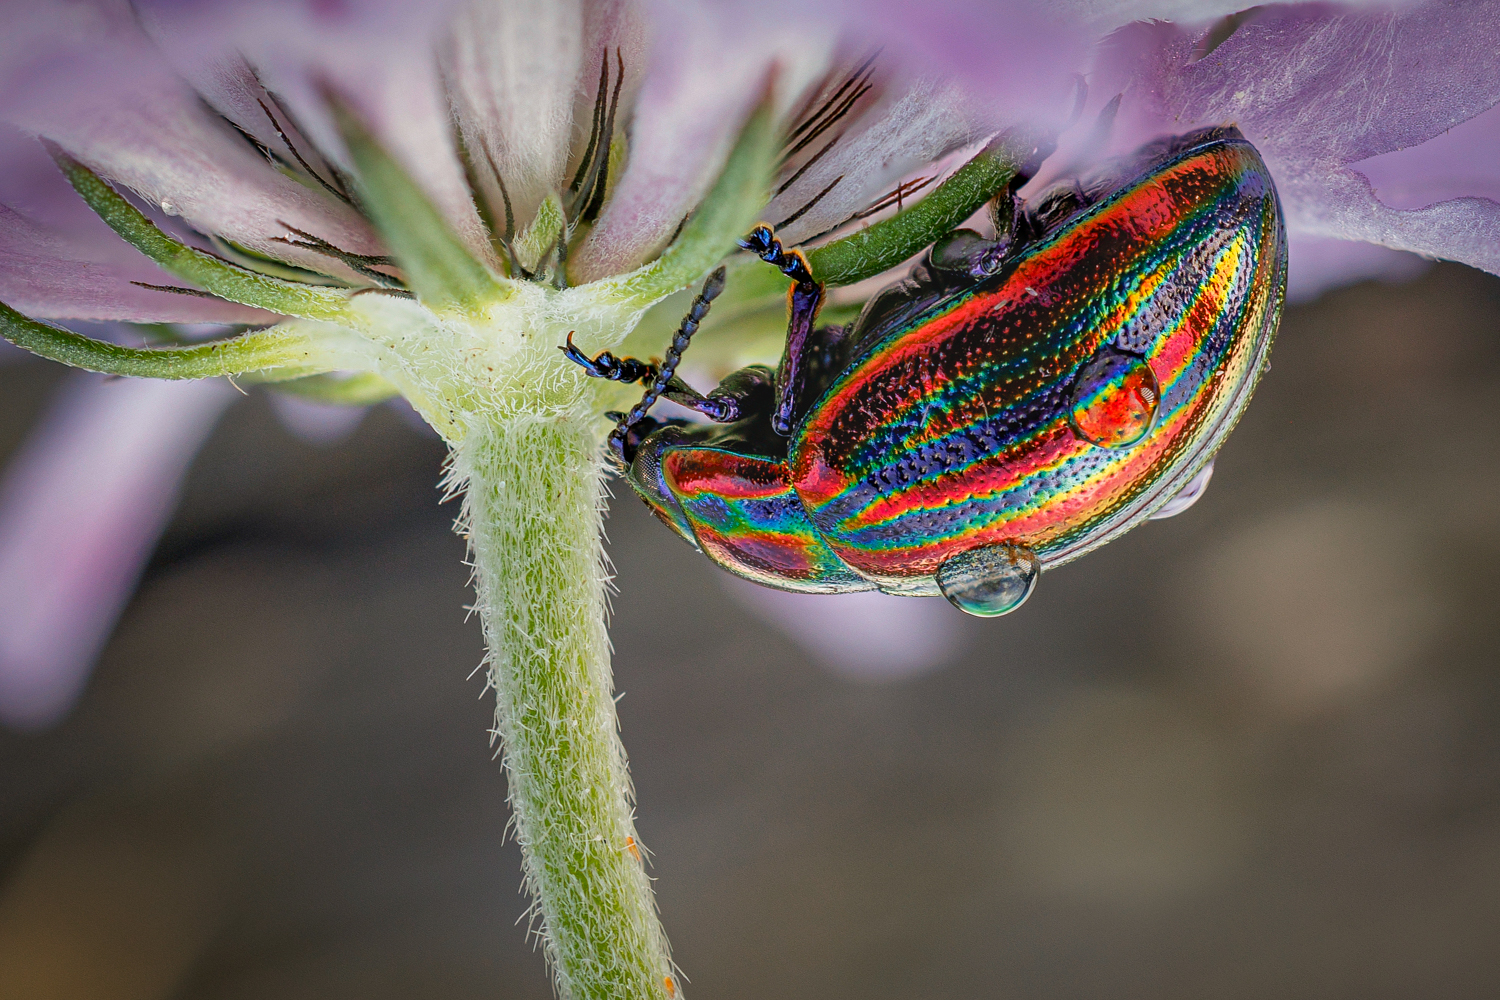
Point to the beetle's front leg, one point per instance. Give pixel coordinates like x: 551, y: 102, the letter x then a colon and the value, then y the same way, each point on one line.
x: 718, y: 406
x: 805, y: 299
x: 666, y: 375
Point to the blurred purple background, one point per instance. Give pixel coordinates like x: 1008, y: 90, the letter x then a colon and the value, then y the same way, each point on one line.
x: 1251, y: 751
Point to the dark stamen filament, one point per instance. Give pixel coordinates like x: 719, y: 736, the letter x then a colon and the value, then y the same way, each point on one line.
x: 849, y: 81
x: 805, y: 208
x: 598, y: 125
x: 338, y: 191
x: 363, y: 264
x: 863, y: 87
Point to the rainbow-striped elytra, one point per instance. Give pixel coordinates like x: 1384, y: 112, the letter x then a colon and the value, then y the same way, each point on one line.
x: 1039, y: 398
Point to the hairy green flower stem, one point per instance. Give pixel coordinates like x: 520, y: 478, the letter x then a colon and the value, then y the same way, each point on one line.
x: 532, y: 513
x: 475, y: 353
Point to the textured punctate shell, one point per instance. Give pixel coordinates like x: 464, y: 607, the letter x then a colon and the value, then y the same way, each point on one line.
x: 953, y: 431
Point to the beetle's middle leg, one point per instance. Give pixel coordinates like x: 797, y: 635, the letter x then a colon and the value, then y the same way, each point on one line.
x: 606, y: 365
x: 805, y: 299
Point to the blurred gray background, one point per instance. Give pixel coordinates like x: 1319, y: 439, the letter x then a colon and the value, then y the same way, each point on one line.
x: 1252, y: 751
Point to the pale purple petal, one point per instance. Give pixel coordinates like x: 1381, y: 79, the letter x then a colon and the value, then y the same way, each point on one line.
x: 867, y: 636
x: 1318, y: 89
x: 512, y: 69
x: 890, y: 140
x: 85, y: 76
x: 42, y: 276
x: 59, y: 260
x: 379, y: 56
x: 710, y: 66
x: 524, y: 78
x: 81, y: 507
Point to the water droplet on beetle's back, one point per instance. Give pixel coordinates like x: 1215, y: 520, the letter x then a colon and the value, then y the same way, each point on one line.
x: 1114, y: 400
x: 991, y: 580
x: 1187, y: 496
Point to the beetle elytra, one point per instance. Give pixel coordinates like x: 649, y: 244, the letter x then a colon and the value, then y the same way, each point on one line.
x: 1013, y: 404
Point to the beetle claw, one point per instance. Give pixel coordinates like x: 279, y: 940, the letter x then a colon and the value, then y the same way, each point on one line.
x: 759, y: 241
x: 577, y: 356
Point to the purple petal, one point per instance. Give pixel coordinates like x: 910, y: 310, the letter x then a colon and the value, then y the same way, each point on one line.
x: 1318, y: 89
x: 81, y: 508
x: 1019, y: 56
x: 377, y: 55
x: 710, y: 66
x: 45, y: 276
x: 1458, y: 163
x: 85, y: 76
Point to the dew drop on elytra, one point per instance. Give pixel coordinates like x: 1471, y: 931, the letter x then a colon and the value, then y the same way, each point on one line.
x: 989, y: 581
x: 1114, y: 400
x: 1187, y: 496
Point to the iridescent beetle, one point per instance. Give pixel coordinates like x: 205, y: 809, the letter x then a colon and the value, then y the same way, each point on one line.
x: 1011, y: 405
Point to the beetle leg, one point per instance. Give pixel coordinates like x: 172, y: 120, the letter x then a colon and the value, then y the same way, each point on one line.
x: 715, y: 406
x: 640, y: 431
x: 667, y: 371
x: 734, y: 399
x: 804, y: 299
x: 606, y: 365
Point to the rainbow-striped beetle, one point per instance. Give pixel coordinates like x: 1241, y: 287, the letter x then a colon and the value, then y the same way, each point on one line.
x: 1011, y: 405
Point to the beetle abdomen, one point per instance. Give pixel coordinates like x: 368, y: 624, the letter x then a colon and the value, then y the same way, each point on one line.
x: 978, y: 423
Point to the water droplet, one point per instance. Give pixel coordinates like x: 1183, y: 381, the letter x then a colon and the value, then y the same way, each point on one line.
x: 991, y: 580
x: 1114, y: 400
x: 168, y: 207
x: 1187, y: 496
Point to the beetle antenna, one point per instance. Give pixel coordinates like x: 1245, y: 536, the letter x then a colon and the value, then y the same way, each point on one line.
x: 699, y: 309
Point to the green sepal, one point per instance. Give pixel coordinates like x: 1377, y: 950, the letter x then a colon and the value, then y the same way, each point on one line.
x: 358, y: 389
x: 276, y: 347
x: 715, y: 229
x: 887, y: 243
x: 219, y: 277
x: 436, y: 265
x: 540, y: 238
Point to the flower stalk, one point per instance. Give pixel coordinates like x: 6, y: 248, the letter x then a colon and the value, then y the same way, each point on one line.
x: 533, y: 495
